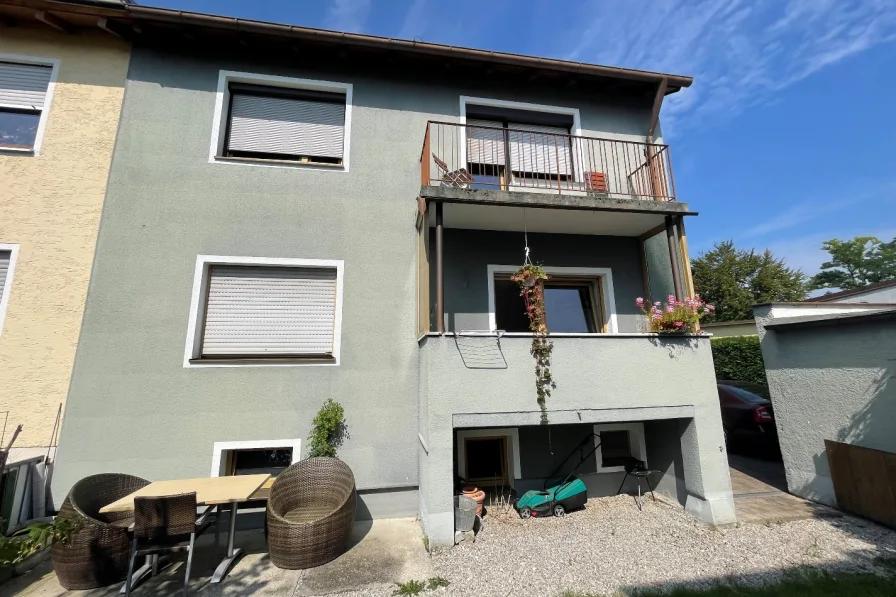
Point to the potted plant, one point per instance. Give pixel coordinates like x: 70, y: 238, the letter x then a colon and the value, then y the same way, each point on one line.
x: 531, y: 279
x: 675, y: 317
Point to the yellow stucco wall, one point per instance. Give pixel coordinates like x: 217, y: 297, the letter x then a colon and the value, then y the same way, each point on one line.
x: 50, y: 206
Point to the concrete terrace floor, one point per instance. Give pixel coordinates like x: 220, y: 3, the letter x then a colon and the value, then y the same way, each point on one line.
x: 382, y: 552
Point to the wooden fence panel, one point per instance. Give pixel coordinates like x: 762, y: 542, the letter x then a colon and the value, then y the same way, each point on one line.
x: 864, y: 481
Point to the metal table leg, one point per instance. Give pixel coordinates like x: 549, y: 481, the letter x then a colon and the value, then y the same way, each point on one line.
x: 232, y: 554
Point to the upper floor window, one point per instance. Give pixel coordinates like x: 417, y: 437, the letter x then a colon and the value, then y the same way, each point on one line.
x: 8, y: 254
x: 282, y: 121
x: 26, y: 86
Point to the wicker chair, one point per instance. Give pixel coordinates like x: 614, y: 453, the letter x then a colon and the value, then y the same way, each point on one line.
x: 97, y: 555
x: 310, y: 513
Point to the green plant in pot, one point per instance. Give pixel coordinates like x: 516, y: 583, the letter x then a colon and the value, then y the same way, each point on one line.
x: 531, y: 279
x: 328, y: 430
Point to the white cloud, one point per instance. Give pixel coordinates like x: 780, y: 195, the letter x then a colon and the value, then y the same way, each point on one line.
x: 741, y: 52
x: 348, y: 15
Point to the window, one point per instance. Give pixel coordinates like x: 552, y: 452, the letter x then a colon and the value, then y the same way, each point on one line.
x: 619, y: 443
x: 26, y: 86
x: 280, y: 120
x: 284, y: 310
x: 572, y: 305
x: 515, y: 142
x: 8, y: 254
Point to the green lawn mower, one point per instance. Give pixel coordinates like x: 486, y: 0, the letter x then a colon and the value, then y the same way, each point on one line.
x: 563, y: 497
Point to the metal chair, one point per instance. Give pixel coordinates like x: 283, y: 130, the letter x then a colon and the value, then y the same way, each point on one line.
x: 637, y: 469
x: 459, y: 178
x: 166, y: 524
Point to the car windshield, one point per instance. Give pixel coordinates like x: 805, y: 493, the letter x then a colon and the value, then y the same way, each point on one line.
x: 745, y: 395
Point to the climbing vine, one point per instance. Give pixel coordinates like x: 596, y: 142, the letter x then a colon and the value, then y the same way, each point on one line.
x: 531, y: 281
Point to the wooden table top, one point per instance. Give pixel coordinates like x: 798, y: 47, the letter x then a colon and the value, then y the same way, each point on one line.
x: 209, y: 490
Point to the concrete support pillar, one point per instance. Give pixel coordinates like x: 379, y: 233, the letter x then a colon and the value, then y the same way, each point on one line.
x: 705, y: 464
x: 437, y: 482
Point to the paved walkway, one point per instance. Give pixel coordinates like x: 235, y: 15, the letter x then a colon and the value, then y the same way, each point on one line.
x: 382, y: 552
x: 760, y: 493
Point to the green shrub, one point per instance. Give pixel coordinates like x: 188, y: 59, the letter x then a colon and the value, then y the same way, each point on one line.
x: 328, y: 430
x: 738, y: 358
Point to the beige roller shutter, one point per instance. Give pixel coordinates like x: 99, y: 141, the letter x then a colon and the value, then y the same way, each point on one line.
x: 485, y: 145
x: 270, y: 311
x: 286, y: 126
x: 545, y: 150
x: 24, y: 85
x: 5, y: 256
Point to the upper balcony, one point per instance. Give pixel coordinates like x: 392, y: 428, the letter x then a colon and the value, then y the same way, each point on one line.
x: 546, y: 160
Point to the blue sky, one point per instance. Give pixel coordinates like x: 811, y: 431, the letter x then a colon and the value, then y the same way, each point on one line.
x: 786, y: 137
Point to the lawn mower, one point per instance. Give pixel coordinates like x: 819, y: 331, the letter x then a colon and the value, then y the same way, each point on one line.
x: 567, y: 495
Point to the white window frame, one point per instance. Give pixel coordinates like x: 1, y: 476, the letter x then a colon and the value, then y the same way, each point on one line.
x: 219, y: 448
x: 513, y: 442
x: 636, y: 442
x: 608, y: 296
x: 222, y: 101
x: 197, y: 309
x: 499, y: 103
x: 45, y: 111
x: 7, y: 285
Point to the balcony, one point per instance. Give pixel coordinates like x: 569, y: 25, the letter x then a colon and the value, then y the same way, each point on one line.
x: 493, y: 377
x: 469, y: 157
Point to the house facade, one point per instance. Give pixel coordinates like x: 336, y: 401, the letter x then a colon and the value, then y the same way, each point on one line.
x: 61, y: 87
x: 295, y: 215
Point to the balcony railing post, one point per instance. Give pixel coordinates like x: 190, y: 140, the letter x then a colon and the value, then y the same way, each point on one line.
x: 425, y: 158
x: 673, y: 256
x: 440, y: 272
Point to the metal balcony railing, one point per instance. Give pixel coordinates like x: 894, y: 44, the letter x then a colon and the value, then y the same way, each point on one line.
x: 483, y: 157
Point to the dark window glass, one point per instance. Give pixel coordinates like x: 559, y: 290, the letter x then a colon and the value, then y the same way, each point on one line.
x: 253, y: 462
x: 615, y: 448
x: 746, y: 396
x: 485, y: 458
x: 510, y: 308
x: 18, y: 129
x: 569, y: 309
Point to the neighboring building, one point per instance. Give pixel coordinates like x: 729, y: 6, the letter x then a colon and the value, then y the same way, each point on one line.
x: 724, y: 329
x: 830, y: 371
x: 61, y: 84
x: 257, y: 257
x: 882, y: 292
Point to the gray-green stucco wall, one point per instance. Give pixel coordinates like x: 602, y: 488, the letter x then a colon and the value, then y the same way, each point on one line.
x: 132, y: 406
x: 829, y: 382
x: 468, y: 253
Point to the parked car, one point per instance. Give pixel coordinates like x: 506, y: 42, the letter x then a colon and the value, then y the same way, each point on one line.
x: 747, y: 419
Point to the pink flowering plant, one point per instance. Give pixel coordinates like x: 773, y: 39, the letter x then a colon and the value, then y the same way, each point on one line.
x: 675, y: 316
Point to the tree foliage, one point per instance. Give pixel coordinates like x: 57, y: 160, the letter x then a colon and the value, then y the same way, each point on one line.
x: 856, y: 263
x: 734, y: 280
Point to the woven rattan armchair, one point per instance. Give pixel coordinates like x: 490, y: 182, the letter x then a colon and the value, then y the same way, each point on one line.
x: 310, y: 513
x: 97, y: 554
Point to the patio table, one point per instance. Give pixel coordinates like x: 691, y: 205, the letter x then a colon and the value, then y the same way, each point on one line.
x: 210, y: 491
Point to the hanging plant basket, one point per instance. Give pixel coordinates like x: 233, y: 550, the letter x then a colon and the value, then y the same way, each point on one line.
x: 531, y: 281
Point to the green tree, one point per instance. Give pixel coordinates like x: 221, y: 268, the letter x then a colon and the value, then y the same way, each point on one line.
x: 856, y: 263
x: 734, y: 280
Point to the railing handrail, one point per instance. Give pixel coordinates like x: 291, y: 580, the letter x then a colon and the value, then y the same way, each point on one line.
x: 663, y: 146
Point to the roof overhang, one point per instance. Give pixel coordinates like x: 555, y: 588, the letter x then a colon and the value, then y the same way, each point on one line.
x: 149, y: 24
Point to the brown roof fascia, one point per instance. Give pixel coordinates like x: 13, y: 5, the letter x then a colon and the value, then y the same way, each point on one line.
x: 675, y: 82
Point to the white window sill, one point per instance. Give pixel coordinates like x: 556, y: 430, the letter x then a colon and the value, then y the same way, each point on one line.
x: 314, y: 166
x: 298, y: 362
x: 18, y: 150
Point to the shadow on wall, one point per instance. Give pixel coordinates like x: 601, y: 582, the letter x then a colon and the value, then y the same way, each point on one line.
x: 871, y: 426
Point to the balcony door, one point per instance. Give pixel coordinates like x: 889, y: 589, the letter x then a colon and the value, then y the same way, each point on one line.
x: 520, y: 149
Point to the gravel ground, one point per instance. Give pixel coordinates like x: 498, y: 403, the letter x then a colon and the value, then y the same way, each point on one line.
x: 610, y: 546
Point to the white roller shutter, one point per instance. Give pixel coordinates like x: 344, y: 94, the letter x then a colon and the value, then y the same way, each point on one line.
x: 5, y: 256
x: 485, y: 145
x: 269, y: 311
x: 24, y: 85
x: 286, y: 126
x: 546, y: 153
